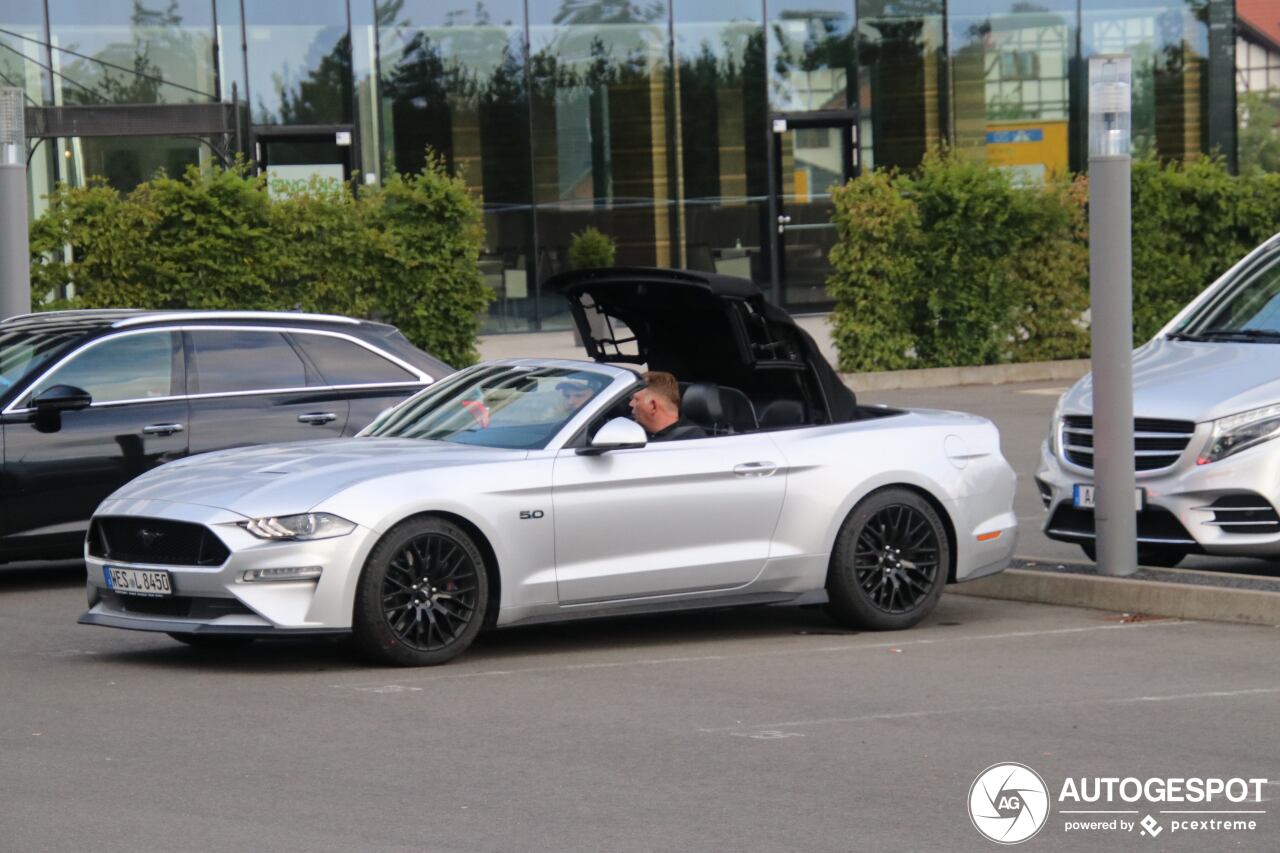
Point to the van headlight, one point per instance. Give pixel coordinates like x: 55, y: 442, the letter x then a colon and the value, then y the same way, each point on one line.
x: 306, y: 526
x: 1240, y: 432
x: 1055, y: 431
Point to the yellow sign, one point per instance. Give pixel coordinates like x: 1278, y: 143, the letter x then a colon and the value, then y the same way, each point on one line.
x: 1033, y: 148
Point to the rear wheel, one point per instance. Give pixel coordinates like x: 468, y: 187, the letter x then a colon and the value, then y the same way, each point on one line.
x: 422, y: 595
x: 890, y: 562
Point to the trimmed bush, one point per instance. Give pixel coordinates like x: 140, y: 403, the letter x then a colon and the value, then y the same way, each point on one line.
x: 591, y: 248
x: 405, y: 253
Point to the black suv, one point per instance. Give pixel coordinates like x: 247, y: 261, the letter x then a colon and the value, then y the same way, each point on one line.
x: 91, y: 399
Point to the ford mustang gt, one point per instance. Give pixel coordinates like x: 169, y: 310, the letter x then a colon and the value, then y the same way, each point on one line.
x: 518, y: 491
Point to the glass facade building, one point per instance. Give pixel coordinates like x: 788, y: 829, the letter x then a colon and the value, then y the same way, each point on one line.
x: 703, y: 134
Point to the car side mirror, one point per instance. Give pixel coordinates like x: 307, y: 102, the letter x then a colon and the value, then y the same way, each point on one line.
x: 617, y: 434
x: 61, y: 398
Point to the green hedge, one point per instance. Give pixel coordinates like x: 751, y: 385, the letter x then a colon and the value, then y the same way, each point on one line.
x: 405, y: 253
x: 954, y: 265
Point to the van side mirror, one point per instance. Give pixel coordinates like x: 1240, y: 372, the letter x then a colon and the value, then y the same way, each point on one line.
x: 617, y: 434
x: 61, y: 398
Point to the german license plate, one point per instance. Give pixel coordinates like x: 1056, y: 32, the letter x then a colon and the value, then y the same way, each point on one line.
x: 1083, y: 497
x: 138, y: 581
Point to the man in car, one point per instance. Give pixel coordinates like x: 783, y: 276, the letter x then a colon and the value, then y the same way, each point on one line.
x: 574, y: 395
x: 656, y: 407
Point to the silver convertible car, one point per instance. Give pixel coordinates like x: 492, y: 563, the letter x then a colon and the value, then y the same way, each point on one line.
x: 517, y: 491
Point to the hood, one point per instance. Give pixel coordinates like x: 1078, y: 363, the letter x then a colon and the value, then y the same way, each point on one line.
x: 289, y: 478
x: 701, y: 327
x: 1191, y: 381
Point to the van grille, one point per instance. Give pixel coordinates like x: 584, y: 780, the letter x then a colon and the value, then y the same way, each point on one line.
x: 1158, y: 443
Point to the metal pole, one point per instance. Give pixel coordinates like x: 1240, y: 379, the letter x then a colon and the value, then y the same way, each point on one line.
x: 1111, y: 312
x: 15, y: 247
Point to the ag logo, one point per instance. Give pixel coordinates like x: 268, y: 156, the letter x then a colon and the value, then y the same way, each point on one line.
x: 1008, y: 803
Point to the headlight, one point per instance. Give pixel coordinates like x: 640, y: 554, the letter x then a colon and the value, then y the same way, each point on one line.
x: 308, y: 525
x: 1055, y: 432
x: 1238, y: 432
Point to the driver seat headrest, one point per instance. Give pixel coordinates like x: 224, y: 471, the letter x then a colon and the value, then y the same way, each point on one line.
x: 718, y: 409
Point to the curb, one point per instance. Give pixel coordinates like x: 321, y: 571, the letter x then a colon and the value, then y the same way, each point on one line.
x: 1125, y: 595
x: 947, y: 377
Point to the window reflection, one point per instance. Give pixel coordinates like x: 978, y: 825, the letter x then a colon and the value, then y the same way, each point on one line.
x: 299, y: 62
x: 453, y: 80
x: 810, y: 54
x: 720, y: 73
x: 601, y: 128
x: 133, y: 51
x: 899, y: 49
x: 1010, y: 72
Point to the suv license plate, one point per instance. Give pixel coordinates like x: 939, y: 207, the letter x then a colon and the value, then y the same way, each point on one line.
x: 138, y: 581
x: 1082, y: 497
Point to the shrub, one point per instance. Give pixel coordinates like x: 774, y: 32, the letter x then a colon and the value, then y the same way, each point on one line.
x: 591, y: 248
x: 405, y: 253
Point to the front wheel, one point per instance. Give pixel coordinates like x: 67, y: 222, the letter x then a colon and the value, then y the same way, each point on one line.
x: 422, y: 595
x: 890, y: 562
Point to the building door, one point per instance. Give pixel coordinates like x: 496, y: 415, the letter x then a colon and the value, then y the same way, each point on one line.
x: 298, y: 159
x: 812, y: 152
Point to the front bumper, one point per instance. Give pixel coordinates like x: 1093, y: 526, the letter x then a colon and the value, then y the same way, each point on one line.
x: 216, y: 599
x: 1197, y: 507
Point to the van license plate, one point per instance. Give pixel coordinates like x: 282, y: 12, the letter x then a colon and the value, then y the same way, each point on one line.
x: 1083, y: 498
x: 137, y: 581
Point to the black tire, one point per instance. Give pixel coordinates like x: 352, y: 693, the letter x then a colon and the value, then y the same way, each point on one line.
x: 212, y: 642
x: 890, y: 562
x: 422, y: 595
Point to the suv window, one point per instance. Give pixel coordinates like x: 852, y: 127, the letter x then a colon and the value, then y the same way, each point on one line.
x: 124, y: 367
x: 344, y: 362
x: 229, y: 360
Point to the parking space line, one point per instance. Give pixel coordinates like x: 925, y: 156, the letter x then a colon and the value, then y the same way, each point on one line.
x: 403, y: 685
x: 983, y: 709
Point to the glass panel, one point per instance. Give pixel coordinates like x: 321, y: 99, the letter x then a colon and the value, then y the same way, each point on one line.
x: 900, y: 91
x: 811, y: 160
x: 720, y: 71
x: 126, y: 161
x: 131, y: 367
x: 245, y: 361
x: 133, y: 51
x: 810, y: 54
x: 602, y: 131
x: 299, y: 62
x: 453, y: 80
x: 342, y: 362
x: 1010, y: 72
x: 22, y: 51
x: 1169, y: 43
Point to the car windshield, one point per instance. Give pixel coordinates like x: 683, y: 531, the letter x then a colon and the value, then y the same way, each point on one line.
x: 25, y: 350
x: 512, y: 406
x: 1246, y: 308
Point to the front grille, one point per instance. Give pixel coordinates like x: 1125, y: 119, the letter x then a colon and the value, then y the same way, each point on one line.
x: 1154, y: 525
x: 1157, y: 442
x: 1244, y: 513
x: 155, y: 540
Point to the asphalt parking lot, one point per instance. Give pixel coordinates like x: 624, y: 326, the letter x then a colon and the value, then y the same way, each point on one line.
x: 762, y: 730
x: 765, y: 729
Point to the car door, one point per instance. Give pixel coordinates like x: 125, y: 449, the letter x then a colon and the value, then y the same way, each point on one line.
x: 58, y: 469
x: 251, y: 386
x: 369, y: 379
x: 667, y: 518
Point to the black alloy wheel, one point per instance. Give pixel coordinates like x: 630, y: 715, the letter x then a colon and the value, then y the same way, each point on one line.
x: 890, y: 562
x: 422, y: 596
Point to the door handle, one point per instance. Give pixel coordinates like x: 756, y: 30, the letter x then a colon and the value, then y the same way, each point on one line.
x: 162, y: 429
x: 783, y: 221
x: 755, y: 469
x: 317, y: 418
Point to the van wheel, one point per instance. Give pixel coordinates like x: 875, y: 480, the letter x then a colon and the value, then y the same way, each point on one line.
x: 890, y: 562
x: 422, y: 595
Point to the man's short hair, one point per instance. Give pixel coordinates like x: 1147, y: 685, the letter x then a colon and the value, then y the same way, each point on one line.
x: 664, y: 385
